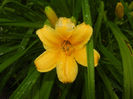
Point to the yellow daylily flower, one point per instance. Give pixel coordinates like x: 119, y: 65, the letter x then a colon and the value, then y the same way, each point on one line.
x: 119, y: 10
x: 65, y: 45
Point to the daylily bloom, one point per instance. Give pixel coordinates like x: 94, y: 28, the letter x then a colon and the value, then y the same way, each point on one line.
x: 65, y: 45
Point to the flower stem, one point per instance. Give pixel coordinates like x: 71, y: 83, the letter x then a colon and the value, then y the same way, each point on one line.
x: 90, y: 83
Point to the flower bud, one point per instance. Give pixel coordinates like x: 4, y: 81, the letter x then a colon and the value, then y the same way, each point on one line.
x: 52, y: 17
x: 119, y: 10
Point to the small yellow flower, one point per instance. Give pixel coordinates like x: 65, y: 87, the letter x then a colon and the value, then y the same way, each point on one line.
x: 119, y: 10
x: 65, y: 45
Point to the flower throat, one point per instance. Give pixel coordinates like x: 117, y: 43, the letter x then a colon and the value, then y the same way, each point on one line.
x: 67, y: 47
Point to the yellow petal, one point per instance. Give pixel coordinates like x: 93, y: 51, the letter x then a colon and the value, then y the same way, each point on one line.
x: 51, y: 15
x: 67, y: 69
x: 46, y: 61
x: 81, y: 56
x: 96, y: 57
x: 64, y: 27
x: 82, y: 33
x: 49, y: 37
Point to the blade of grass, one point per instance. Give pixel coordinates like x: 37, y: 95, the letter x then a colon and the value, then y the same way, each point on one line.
x: 116, y: 67
x: 100, y: 88
x: 61, y: 6
x: 65, y: 7
x: 12, y: 59
x: 5, y: 20
x: 98, y: 22
x: 77, y: 9
x: 113, y: 60
x: 22, y: 24
x: 107, y: 83
x: 6, y: 56
x: 25, y: 40
x: 46, y: 86
x: 5, y: 79
x: 127, y: 60
x: 15, y: 36
x: 22, y: 7
x: 4, y: 50
x: 27, y: 84
x: 90, y: 83
x: 19, y: 48
x: 65, y: 91
x: 75, y: 91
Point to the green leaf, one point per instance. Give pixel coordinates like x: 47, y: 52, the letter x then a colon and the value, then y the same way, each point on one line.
x: 127, y: 60
x: 65, y: 91
x: 24, y: 8
x: 22, y: 24
x: 46, y: 86
x: 5, y: 78
x: 4, y: 50
x: 98, y: 23
x: 25, y: 40
x: 116, y: 67
x: 12, y: 59
x: 77, y: 8
x: 107, y: 83
x: 27, y: 84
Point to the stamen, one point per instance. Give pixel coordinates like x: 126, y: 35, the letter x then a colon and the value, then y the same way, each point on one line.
x: 67, y: 47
